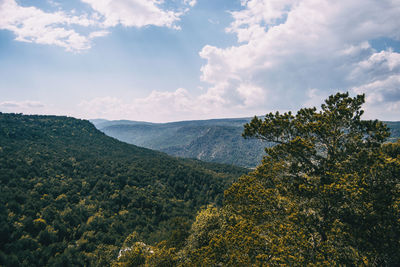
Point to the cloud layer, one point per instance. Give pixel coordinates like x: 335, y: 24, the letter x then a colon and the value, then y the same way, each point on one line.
x: 289, y: 48
x: 293, y: 53
x: 288, y: 54
x: 21, y: 106
x: 133, y: 13
x: 31, y: 24
x: 158, y: 106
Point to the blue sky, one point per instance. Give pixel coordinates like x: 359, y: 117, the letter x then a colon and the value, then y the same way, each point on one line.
x: 174, y: 60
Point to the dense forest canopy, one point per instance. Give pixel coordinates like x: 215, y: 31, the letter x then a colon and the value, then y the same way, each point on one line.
x: 327, y: 194
x: 70, y: 195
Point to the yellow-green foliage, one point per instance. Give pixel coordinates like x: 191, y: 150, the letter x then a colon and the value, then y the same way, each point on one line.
x: 162, y: 256
x: 328, y: 194
x: 135, y: 256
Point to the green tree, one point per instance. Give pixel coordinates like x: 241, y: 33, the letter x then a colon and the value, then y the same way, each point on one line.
x: 327, y: 193
x: 340, y: 184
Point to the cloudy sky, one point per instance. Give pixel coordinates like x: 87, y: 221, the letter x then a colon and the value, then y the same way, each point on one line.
x: 168, y: 60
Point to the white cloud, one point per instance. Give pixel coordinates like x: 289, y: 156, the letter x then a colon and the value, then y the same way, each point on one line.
x: 252, y: 95
x: 33, y: 25
x: 97, y: 34
x: 27, y: 106
x: 382, y: 98
x: 286, y: 47
x: 315, y: 97
x: 134, y: 13
x: 381, y: 91
x: 377, y: 66
x: 191, y: 3
x: 167, y: 106
x: 157, y: 106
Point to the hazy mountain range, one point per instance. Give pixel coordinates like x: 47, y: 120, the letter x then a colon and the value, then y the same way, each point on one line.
x: 217, y: 140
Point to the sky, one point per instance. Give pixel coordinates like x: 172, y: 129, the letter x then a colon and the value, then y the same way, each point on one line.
x: 170, y: 60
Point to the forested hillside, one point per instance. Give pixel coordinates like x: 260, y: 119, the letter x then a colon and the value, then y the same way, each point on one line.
x: 70, y: 195
x: 209, y: 140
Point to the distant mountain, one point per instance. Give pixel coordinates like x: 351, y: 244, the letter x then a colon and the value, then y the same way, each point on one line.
x: 70, y: 195
x: 98, y: 121
x: 216, y: 140
x: 101, y: 123
x: 394, y: 127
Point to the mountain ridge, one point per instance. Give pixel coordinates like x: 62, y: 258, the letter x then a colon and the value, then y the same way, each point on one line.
x: 215, y: 140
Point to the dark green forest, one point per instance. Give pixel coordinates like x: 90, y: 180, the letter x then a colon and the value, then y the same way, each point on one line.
x: 70, y: 195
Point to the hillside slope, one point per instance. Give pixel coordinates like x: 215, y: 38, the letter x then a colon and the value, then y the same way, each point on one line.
x: 68, y: 192
x: 209, y: 140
